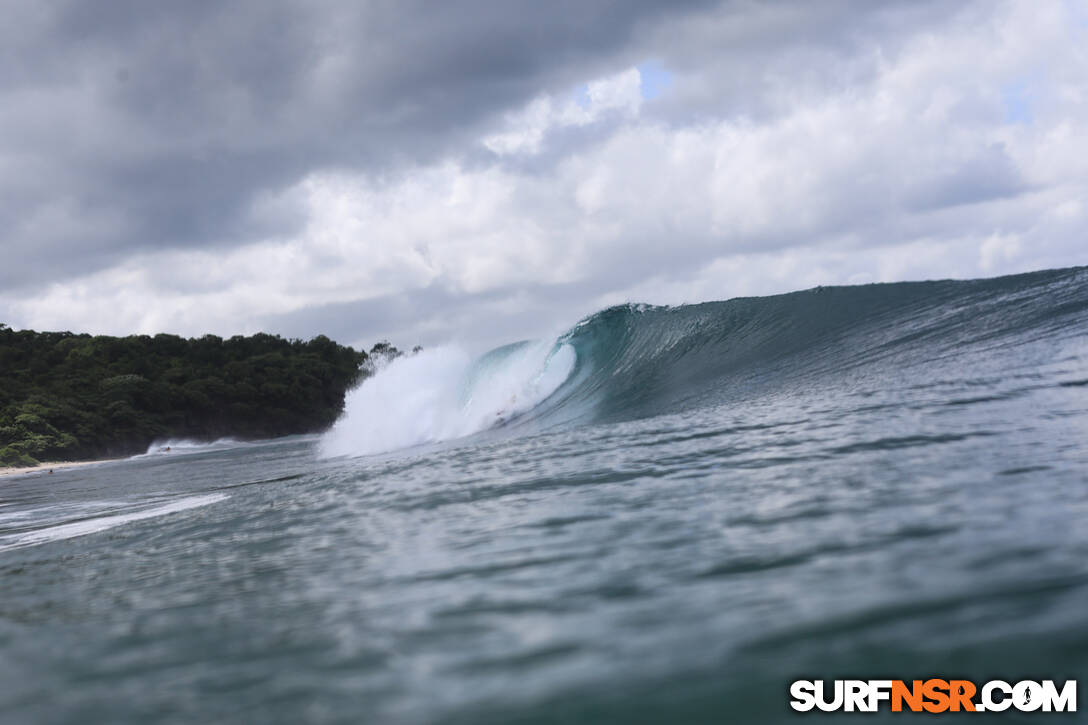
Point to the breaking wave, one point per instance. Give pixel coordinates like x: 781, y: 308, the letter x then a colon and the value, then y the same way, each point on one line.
x: 442, y: 393
x: 635, y: 361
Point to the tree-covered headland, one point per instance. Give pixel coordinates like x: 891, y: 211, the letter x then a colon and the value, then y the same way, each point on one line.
x: 65, y: 396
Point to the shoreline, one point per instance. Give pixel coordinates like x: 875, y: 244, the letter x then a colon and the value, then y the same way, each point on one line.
x: 55, y: 466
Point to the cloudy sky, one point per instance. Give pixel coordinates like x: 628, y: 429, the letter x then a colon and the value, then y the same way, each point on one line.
x: 491, y: 170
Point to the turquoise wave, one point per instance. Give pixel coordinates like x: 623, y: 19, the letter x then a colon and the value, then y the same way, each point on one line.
x: 636, y: 361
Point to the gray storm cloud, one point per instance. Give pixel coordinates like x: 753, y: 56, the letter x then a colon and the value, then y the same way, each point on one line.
x: 131, y: 126
x: 477, y: 169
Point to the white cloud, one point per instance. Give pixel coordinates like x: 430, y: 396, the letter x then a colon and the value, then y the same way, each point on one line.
x: 526, y: 130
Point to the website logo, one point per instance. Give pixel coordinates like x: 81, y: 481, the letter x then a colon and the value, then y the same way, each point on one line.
x: 934, y: 695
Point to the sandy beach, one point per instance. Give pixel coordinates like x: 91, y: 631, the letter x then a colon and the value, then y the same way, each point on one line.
x: 56, y: 467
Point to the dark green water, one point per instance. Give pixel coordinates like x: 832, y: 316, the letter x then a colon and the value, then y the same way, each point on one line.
x: 879, y: 482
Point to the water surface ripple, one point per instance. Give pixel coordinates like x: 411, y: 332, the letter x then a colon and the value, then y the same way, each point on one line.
x: 890, y: 484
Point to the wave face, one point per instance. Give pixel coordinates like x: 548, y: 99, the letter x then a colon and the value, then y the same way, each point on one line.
x: 638, y: 361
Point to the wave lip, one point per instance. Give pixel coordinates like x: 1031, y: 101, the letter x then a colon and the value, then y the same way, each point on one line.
x: 441, y: 394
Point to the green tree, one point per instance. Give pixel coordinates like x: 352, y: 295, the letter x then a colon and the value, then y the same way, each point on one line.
x: 68, y: 396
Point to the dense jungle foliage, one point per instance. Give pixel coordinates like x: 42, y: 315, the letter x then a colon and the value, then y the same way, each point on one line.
x: 65, y: 396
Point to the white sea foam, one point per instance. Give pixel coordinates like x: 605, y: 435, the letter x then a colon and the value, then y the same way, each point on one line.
x: 442, y: 393
x: 95, y: 525
x: 177, y: 446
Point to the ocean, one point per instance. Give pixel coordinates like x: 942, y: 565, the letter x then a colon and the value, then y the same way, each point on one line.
x: 665, y: 515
